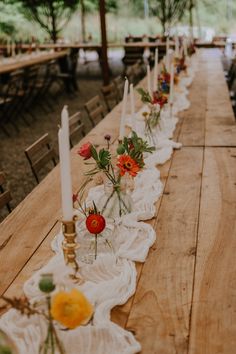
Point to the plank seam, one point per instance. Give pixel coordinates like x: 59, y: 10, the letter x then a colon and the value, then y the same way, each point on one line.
x: 196, y: 245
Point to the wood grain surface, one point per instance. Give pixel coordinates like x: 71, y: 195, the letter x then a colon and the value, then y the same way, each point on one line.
x: 185, y: 301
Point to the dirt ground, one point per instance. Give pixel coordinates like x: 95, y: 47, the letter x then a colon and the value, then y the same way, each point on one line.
x: 12, y: 158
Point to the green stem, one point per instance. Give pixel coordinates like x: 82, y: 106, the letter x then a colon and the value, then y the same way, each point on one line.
x: 108, y: 199
x: 121, y: 201
x: 58, y: 343
x: 96, y: 246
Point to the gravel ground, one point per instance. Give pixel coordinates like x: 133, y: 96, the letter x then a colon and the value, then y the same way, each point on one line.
x: 12, y: 158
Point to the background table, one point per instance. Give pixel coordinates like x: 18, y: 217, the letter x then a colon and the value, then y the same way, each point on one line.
x: 186, y: 291
x: 29, y: 60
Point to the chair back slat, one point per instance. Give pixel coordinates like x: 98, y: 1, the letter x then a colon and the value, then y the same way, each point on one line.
x: 119, y: 84
x: 110, y: 95
x: 77, y: 128
x: 95, y: 110
x: 40, y: 154
x: 37, y: 146
x: 43, y: 160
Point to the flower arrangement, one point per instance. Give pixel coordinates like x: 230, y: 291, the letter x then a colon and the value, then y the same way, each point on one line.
x: 164, y: 80
x: 191, y: 49
x: 68, y: 309
x: 180, y: 65
x: 128, y: 161
x: 152, y: 117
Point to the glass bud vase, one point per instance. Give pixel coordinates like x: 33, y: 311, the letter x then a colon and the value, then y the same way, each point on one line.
x: 116, y: 200
x: 92, y: 246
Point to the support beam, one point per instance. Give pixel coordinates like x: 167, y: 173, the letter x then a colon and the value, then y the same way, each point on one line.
x: 104, y: 59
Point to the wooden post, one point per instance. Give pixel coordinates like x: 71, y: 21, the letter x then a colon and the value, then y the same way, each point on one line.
x: 103, y: 59
x: 83, y: 21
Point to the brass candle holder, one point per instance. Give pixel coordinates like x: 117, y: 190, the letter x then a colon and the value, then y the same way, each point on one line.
x: 70, y: 246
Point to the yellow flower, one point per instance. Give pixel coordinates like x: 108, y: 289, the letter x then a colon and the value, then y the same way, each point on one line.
x: 71, y: 309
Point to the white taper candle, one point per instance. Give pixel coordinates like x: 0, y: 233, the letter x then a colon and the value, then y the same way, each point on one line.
x: 133, y: 117
x: 149, y: 80
x: 177, y: 46
x: 172, y: 74
x: 155, y: 73
x: 167, y: 62
x: 65, y: 167
x: 124, y: 110
x: 185, y: 45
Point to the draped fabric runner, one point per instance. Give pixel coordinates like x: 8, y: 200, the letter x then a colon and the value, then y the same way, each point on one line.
x: 111, y: 279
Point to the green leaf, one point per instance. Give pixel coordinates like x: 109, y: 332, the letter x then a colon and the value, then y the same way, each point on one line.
x: 94, y: 153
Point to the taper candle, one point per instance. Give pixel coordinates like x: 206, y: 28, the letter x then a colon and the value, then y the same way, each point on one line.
x: 172, y: 74
x: 149, y: 80
x: 177, y: 46
x: 167, y: 62
x: 124, y: 110
x: 155, y: 72
x: 65, y: 167
x: 133, y: 117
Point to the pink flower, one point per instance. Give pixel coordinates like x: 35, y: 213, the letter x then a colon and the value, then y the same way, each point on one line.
x: 85, y: 151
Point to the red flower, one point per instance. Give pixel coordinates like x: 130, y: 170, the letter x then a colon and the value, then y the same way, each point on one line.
x: 85, y: 151
x: 166, y: 77
x: 159, y: 98
x: 95, y: 223
x: 127, y: 164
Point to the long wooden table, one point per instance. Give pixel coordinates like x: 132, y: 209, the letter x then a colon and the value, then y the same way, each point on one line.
x: 30, y: 60
x: 186, y: 290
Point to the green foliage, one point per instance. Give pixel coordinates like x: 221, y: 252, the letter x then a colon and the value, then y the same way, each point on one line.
x: 51, y: 15
x: 5, y: 350
x: 168, y: 12
x: 145, y: 96
x: 135, y: 147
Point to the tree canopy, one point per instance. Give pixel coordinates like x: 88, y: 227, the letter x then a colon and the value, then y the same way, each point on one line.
x: 168, y: 11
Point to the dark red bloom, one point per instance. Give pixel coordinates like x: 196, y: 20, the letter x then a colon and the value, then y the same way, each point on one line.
x: 159, y: 98
x: 95, y: 223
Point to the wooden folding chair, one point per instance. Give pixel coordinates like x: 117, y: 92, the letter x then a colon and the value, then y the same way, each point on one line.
x: 119, y: 83
x: 95, y: 110
x: 5, y: 195
x: 110, y: 96
x: 40, y: 154
x: 77, y: 128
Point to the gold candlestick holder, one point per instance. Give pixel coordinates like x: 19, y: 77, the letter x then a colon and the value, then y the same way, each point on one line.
x: 70, y: 246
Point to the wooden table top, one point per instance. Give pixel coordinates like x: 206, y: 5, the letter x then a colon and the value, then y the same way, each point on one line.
x: 29, y: 60
x: 186, y: 290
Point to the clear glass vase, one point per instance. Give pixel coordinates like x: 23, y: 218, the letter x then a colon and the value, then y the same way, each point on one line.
x: 92, y: 246
x: 152, y: 125
x: 116, y: 200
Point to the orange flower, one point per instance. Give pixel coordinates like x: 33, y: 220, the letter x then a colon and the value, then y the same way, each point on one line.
x: 127, y: 164
x: 71, y: 309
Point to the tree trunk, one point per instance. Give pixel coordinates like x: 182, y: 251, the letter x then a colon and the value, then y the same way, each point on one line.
x: 54, y: 27
x: 191, y: 6
x: 163, y: 25
x: 104, y: 59
x: 83, y: 21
